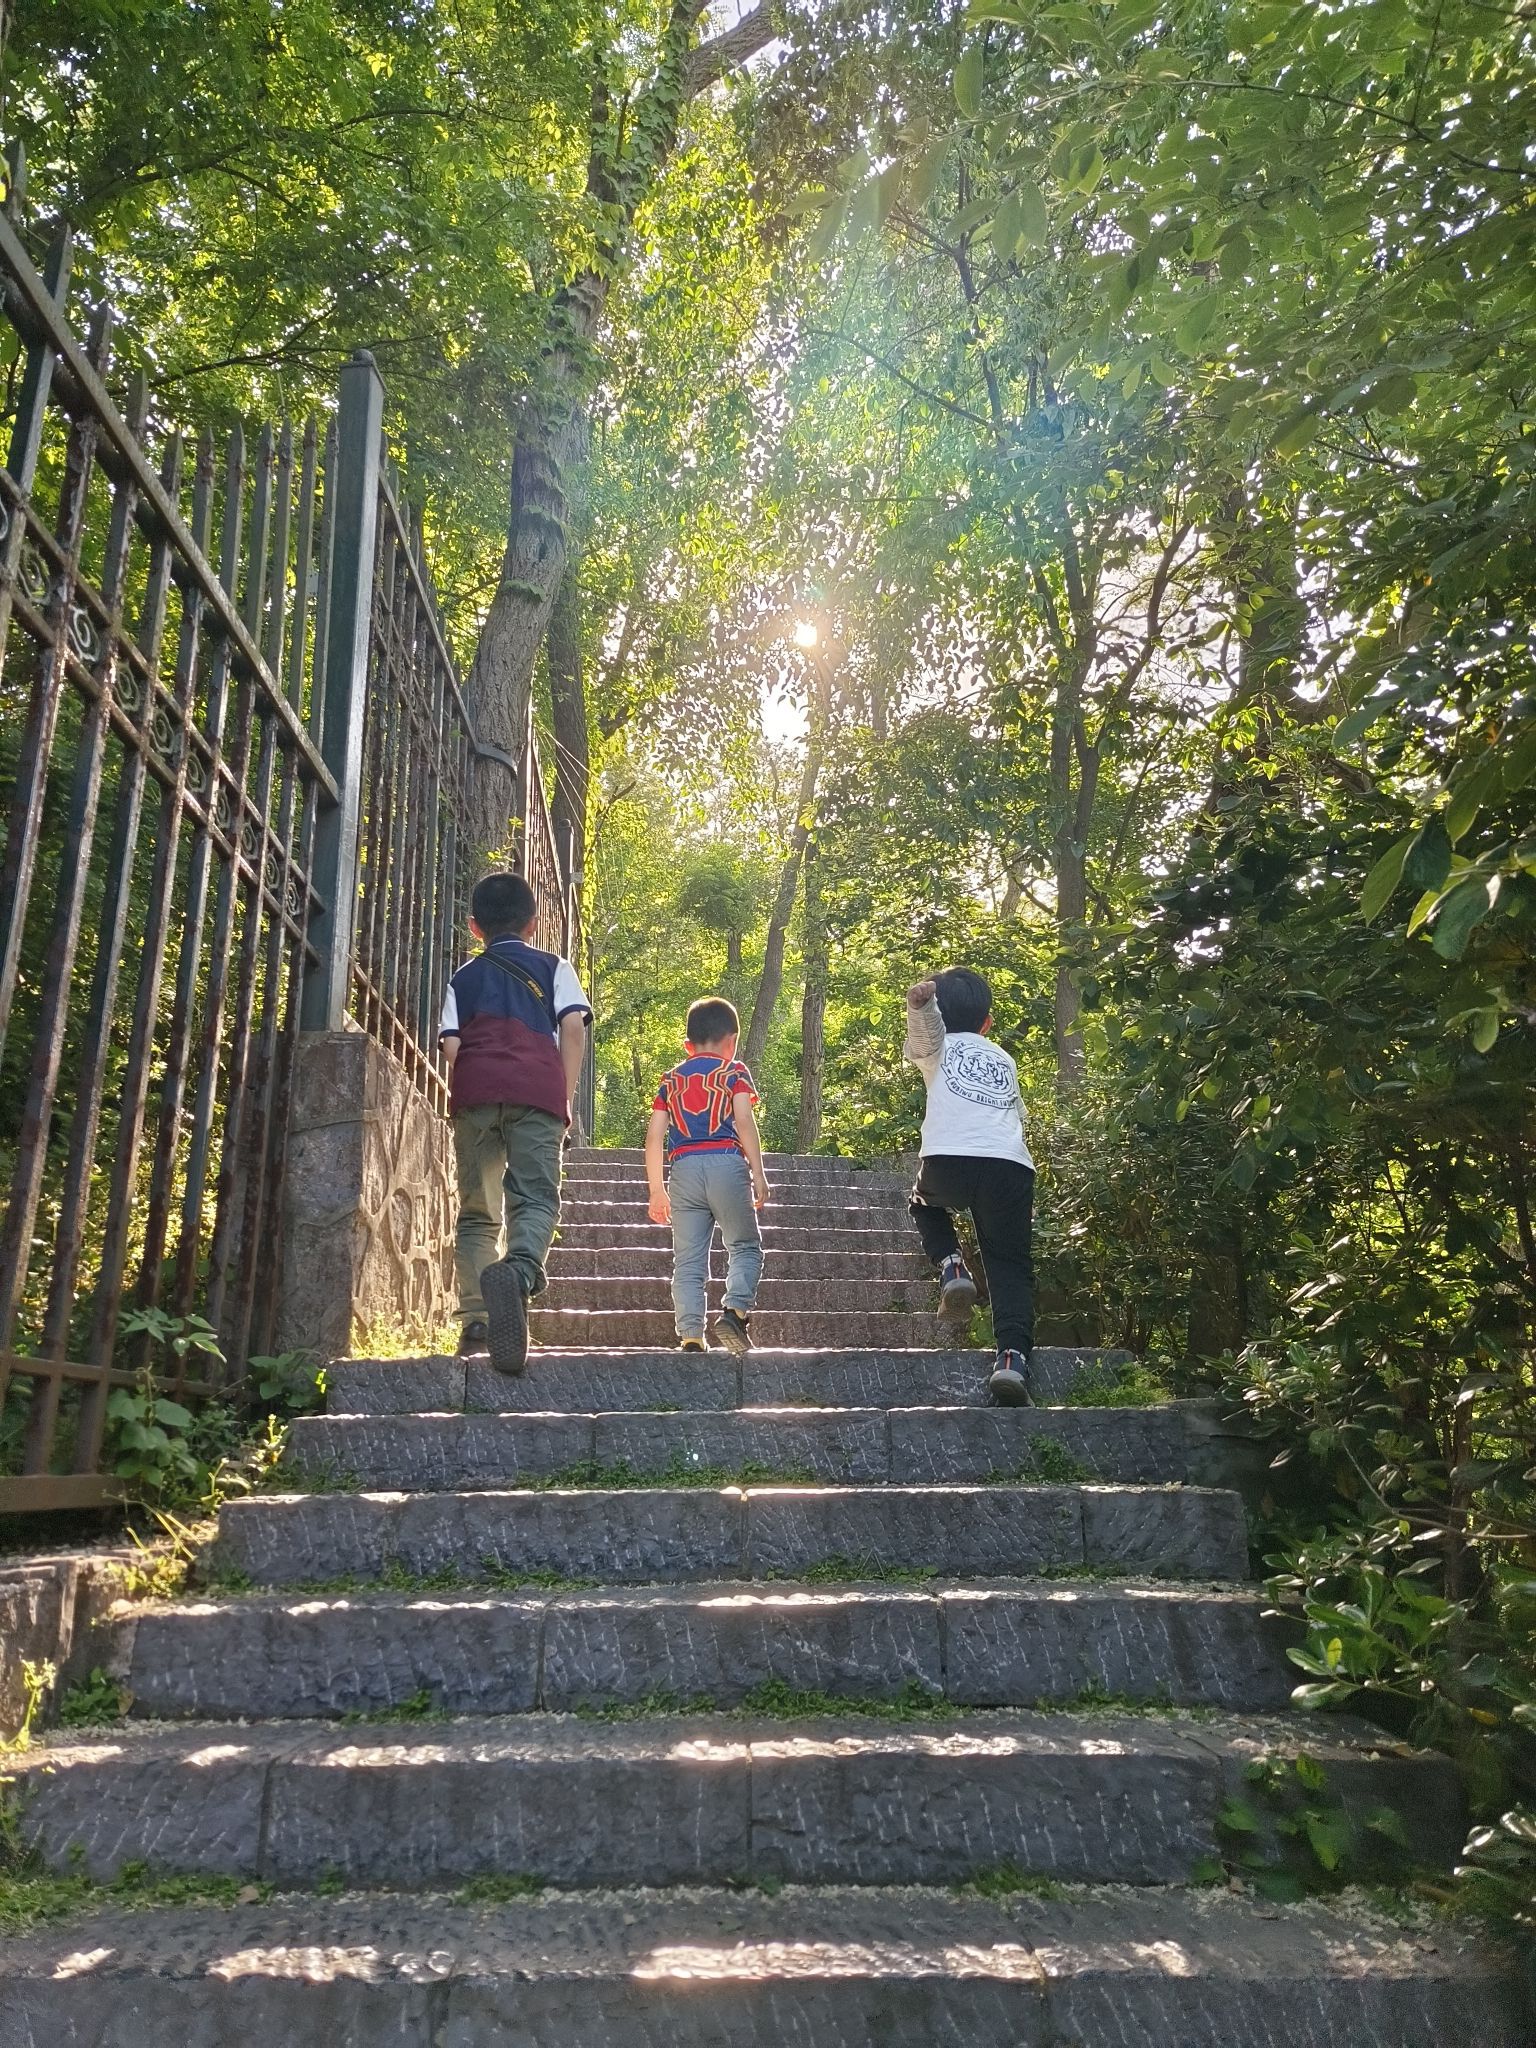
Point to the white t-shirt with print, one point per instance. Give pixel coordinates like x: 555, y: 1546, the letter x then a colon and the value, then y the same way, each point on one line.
x: 974, y: 1107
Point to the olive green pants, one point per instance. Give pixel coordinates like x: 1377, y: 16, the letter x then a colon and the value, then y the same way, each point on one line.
x: 508, y: 1159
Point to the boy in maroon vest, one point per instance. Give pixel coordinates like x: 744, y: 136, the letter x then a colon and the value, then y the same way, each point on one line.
x: 514, y: 1034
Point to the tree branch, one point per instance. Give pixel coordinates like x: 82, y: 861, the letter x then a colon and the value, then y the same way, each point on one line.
x: 710, y: 62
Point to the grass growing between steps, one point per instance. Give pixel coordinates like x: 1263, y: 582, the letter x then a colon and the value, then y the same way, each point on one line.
x: 864, y: 1569
x: 772, y: 1699
x: 30, y: 1898
x: 1130, y: 1384
x: 588, y: 1476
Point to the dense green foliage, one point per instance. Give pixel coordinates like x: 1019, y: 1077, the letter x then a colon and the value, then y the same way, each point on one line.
x: 1131, y: 405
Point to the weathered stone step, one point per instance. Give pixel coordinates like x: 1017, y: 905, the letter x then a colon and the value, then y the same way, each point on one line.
x: 868, y: 1446
x: 782, y: 1231
x: 261, y: 1657
x: 693, y: 1799
x: 680, y: 1533
x: 843, y: 1968
x: 815, y: 1212
x: 629, y: 1184
x: 782, y: 1289
x: 634, y: 1328
x: 605, y: 1159
x: 648, y: 1261
x: 591, y: 1382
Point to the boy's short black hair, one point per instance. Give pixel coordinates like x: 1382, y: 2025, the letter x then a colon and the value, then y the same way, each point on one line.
x: 503, y: 904
x: 711, y: 1019
x: 965, y: 998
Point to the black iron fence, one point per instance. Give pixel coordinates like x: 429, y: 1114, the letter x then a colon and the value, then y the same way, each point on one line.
x: 236, y: 756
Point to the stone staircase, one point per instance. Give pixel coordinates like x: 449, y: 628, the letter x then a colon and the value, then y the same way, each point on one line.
x: 804, y: 1698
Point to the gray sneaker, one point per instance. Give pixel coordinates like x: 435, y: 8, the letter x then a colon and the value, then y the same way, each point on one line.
x: 1009, y: 1384
x: 957, y: 1291
x: 506, y: 1307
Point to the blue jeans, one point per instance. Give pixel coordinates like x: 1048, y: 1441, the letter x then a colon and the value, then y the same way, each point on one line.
x: 709, y: 1188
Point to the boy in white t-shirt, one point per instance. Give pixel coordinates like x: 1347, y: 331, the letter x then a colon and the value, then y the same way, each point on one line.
x: 975, y: 1158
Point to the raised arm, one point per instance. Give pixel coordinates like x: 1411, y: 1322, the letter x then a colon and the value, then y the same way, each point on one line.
x: 925, y: 1029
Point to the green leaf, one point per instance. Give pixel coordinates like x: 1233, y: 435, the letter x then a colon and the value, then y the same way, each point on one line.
x: 924, y: 175
x: 1035, y: 225
x: 1468, y: 792
x: 1297, y: 432
x: 1485, y: 1028
x: 173, y: 1413
x: 1197, y: 321
x: 1382, y: 881
x: 1394, y: 393
x: 1428, y: 860
x: 1461, y: 909
x: 970, y: 73
x: 1520, y: 761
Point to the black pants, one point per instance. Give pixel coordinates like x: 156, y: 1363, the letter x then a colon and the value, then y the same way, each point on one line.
x: 1000, y: 1195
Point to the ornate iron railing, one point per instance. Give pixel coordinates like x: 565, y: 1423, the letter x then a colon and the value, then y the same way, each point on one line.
x: 236, y: 754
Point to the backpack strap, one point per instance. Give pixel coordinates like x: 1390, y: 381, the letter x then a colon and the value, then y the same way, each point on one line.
x: 520, y: 973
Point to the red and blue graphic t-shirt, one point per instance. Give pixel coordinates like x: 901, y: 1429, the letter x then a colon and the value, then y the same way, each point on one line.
x: 699, y: 1098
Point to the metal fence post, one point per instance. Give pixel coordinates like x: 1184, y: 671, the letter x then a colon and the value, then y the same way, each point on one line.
x: 354, y: 487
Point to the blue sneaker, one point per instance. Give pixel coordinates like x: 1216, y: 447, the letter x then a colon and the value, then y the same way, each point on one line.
x: 1009, y: 1384
x: 957, y: 1291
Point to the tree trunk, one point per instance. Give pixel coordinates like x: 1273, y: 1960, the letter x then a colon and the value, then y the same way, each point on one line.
x: 772, y: 977
x: 568, y: 718
x: 813, y: 1010
x: 551, y: 443
x: 625, y: 158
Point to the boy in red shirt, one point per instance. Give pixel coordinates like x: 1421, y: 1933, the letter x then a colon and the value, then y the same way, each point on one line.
x: 703, y: 1117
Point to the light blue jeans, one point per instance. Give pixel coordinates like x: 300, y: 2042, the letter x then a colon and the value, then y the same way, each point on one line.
x: 709, y: 1188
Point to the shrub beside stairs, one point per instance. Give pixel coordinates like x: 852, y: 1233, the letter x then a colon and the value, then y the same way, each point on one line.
x: 655, y: 1702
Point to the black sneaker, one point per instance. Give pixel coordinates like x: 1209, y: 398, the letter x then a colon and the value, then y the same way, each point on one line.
x: 733, y: 1331
x: 1009, y: 1384
x: 957, y: 1291
x: 693, y: 1344
x: 506, y: 1305
x: 474, y: 1341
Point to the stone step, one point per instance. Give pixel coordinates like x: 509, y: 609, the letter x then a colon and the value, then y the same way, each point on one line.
x: 816, y: 1212
x: 782, y: 1232
x: 630, y: 1183
x: 809, y: 1262
x: 623, y: 1159
x: 638, y: 1535
x: 1022, y: 1644
x: 854, y: 1446
x: 1127, y: 1799
x: 783, y: 1289
x: 594, y: 1382
x: 828, y: 1329
x: 843, y: 1968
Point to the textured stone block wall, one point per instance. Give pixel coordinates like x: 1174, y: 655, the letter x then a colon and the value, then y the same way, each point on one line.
x: 369, y: 1202
x: 52, y: 1612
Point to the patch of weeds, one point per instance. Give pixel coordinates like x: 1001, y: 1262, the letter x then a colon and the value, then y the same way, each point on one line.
x: 416, y: 1706
x: 395, y: 1578
x: 1130, y: 1384
x: 866, y: 1568
x: 652, y: 1703
x: 1009, y: 1881
x: 310, y: 1479
x: 498, y: 1890
x: 330, y: 1884
x: 1102, y: 1573
x: 504, y: 1579
x: 791, y: 1703
x: 36, y: 1679
x: 1291, y: 1835
x: 1049, y: 1463
x: 404, y: 1337
x: 682, y: 1471
x: 1098, y: 1699
x: 229, y: 1578
x: 94, y: 1702
x: 35, y: 1900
